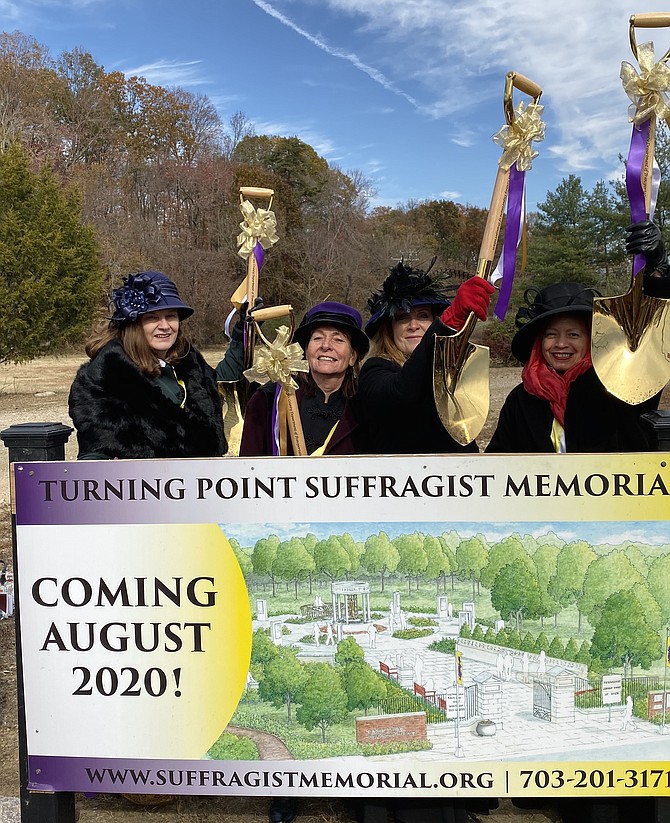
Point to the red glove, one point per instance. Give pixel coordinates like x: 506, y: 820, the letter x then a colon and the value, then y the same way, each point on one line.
x: 472, y: 296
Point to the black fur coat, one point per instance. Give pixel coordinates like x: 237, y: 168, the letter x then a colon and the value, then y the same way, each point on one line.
x: 120, y: 412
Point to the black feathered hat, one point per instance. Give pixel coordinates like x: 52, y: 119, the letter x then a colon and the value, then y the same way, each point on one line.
x: 403, y: 288
x: 541, y: 304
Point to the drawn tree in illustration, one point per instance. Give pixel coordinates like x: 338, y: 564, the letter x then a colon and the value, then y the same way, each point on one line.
x: 622, y: 636
x: 380, y: 556
x: 471, y: 559
x: 263, y: 558
x: 413, y: 559
x: 516, y: 594
x: 324, y: 700
x: 283, y: 680
x: 567, y: 584
x: 293, y: 563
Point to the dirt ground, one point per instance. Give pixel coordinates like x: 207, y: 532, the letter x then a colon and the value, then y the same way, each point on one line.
x: 37, y: 392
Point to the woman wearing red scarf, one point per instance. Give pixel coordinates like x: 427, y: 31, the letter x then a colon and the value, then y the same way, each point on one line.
x: 561, y: 405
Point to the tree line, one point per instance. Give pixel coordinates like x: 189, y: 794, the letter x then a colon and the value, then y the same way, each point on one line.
x: 104, y: 174
x: 624, y: 594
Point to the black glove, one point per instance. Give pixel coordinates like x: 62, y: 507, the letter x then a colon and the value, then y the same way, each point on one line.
x: 645, y: 238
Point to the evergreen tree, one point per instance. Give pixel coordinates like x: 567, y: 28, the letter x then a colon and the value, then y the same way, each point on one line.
x: 50, y: 278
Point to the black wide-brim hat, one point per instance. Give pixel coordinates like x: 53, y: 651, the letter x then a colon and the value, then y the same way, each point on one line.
x: 541, y: 304
x: 334, y: 314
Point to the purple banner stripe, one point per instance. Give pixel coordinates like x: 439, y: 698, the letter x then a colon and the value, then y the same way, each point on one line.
x: 94, y: 775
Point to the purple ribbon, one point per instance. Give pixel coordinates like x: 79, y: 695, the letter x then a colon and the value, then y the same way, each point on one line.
x: 259, y: 253
x: 511, y: 240
x: 634, y: 188
x: 275, y: 422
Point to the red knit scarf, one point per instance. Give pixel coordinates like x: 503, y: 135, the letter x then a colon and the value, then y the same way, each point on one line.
x: 544, y: 382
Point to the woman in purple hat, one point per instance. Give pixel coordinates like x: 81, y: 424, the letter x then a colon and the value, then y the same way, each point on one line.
x: 331, y: 335
x: 146, y: 392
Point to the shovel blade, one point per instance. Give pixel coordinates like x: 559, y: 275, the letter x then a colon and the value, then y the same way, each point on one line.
x: 461, y: 386
x: 630, y: 344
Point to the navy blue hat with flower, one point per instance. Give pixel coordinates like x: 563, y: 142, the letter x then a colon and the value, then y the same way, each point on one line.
x: 144, y: 292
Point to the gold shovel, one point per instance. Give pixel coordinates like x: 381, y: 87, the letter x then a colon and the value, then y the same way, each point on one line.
x: 630, y: 339
x: 461, y: 368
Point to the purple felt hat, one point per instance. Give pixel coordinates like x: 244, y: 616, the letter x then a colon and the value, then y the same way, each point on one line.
x: 144, y: 292
x: 334, y: 314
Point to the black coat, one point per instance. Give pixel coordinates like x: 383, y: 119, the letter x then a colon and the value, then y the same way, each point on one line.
x: 257, y: 435
x: 595, y: 421
x: 398, y: 407
x: 119, y: 411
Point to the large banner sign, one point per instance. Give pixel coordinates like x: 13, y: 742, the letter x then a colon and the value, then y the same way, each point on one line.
x: 461, y: 625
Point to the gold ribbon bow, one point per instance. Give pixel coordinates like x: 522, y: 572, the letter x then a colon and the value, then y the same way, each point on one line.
x: 649, y: 89
x: 275, y: 362
x: 258, y: 226
x: 516, y: 137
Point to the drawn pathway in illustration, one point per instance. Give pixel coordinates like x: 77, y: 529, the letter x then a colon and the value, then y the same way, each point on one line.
x: 269, y: 746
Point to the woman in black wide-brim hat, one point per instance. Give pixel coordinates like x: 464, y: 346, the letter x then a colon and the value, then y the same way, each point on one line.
x: 561, y: 405
x: 334, y: 343
x: 146, y: 392
x: 396, y: 383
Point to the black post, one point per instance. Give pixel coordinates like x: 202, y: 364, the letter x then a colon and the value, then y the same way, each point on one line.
x: 659, y: 422
x: 31, y: 442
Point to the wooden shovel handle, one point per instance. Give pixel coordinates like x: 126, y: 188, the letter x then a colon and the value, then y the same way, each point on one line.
x: 493, y: 221
x: 271, y: 312
x: 254, y: 191
x: 519, y: 81
x: 652, y: 20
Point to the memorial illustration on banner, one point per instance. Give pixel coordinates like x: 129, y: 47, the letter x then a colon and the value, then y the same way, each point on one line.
x: 357, y: 627
x: 457, y: 623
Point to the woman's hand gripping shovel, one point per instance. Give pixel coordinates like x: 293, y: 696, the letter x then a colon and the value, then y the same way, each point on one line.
x: 461, y: 368
x: 630, y: 341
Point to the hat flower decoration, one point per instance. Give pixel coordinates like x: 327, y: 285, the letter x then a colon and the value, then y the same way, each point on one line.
x: 135, y: 297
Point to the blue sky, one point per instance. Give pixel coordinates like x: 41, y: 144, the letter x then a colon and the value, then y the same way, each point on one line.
x: 409, y: 92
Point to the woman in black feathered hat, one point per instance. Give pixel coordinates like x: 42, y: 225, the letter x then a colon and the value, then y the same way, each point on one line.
x: 146, y: 392
x: 561, y: 405
x: 396, y: 383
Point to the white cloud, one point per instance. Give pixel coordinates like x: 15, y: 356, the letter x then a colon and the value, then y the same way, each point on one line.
x: 454, y: 55
x: 169, y: 73
x: 351, y: 57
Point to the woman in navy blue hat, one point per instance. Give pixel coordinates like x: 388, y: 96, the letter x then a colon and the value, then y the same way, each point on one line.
x: 561, y: 405
x: 146, y: 392
x: 331, y: 335
x: 396, y: 384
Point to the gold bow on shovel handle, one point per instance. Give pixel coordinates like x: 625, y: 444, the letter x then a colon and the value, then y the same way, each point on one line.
x: 630, y: 340
x: 246, y: 240
x: 461, y: 368
x: 258, y: 225
x: 277, y: 362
